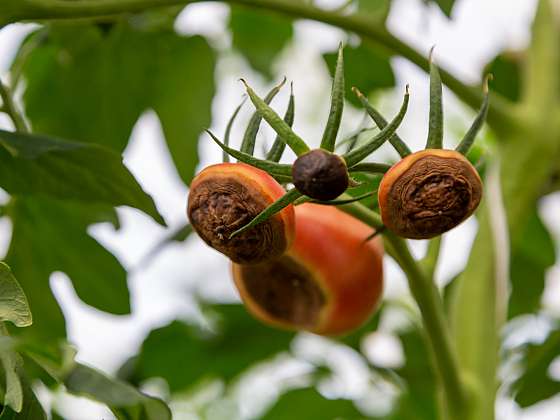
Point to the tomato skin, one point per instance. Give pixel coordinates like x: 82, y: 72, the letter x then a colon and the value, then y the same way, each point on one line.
x: 428, y: 193
x: 226, y: 196
x: 330, y: 245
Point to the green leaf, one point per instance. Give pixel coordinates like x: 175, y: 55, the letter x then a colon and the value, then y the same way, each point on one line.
x: 11, y: 364
x: 374, y: 9
x: 91, y: 83
x: 535, y: 384
x: 31, y: 164
x: 183, y: 354
x: 418, y: 401
x: 124, y: 401
x: 31, y: 408
x: 307, y: 403
x: 446, y: 6
x: 13, y: 303
x: 530, y: 259
x: 259, y: 37
x: 51, y: 235
x: 506, y: 68
x: 366, y: 68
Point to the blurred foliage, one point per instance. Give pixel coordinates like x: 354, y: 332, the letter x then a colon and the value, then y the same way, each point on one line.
x: 312, y: 405
x: 259, y: 37
x: 184, y: 354
x: 446, y: 6
x: 531, y: 257
x: 535, y: 384
x: 374, y: 9
x: 506, y: 68
x: 91, y: 83
x: 365, y: 67
x: 98, y: 277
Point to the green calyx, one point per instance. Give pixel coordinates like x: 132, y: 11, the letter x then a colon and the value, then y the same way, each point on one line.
x: 349, y: 162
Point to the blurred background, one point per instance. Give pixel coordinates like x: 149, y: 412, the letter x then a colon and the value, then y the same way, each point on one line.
x: 181, y: 283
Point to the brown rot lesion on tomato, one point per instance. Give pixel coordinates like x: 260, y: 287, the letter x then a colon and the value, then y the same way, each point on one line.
x: 311, y: 287
x: 225, y: 197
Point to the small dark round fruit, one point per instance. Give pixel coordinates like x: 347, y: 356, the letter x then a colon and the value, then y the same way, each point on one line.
x: 428, y: 193
x: 329, y: 282
x: 225, y: 197
x: 320, y: 175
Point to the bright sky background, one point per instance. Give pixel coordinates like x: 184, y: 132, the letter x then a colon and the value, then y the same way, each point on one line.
x: 160, y: 291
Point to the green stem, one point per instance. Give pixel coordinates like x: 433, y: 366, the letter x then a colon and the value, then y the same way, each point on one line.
x: 9, y: 107
x: 500, y: 114
x: 431, y: 307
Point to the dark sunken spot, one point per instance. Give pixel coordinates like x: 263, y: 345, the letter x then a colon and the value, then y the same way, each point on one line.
x: 285, y: 290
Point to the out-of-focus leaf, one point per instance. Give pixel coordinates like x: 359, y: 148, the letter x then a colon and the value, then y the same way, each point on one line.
x: 365, y: 68
x: 31, y: 408
x: 535, y: 384
x: 51, y: 235
x: 124, y: 401
x: 13, y: 303
x: 11, y: 363
x: 91, y: 84
x: 374, y: 9
x: 354, y: 339
x: 506, y: 68
x: 183, y: 354
x: 259, y: 37
x: 531, y: 257
x: 446, y: 6
x: 31, y: 164
x: 419, y: 399
x: 307, y: 403
x: 183, y: 92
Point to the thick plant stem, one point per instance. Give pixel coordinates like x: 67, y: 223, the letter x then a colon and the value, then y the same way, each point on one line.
x: 429, y: 301
x: 500, y: 114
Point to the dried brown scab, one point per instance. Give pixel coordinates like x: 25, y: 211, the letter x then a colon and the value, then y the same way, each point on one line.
x: 320, y: 174
x: 285, y: 290
x: 429, y: 193
x: 223, y: 201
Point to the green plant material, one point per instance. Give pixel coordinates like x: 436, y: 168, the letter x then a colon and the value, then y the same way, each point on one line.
x: 64, y: 245
x: 399, y: 145
x: 418, y: 398
x: 535, y: 384
x: 370, y: 167
x: 31, y: 408
x: 430, y: 261
x: 337, y: 104
x: 345, y: 201
x: 446, y: 6
x: 376, y: 10
x: 270, y: 211
x: 271, y: 167
x: 279, y: 145
x: 11, y: 364
x: 311, y: 405
x: 183, y: 354
x: 259, y: 37
x: 360, y: 153
x: 225, y: 156
x: 366, y: 67
x: 506, y: 68
x: 530, y: 259
x: 86, y: 84
x: 31, y: 164
x: 470, y: 136
x: 250, y: 136
x: 124, y: 401
x: 13, y: 303
x: 435, y: 129
x: 281, y: 128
